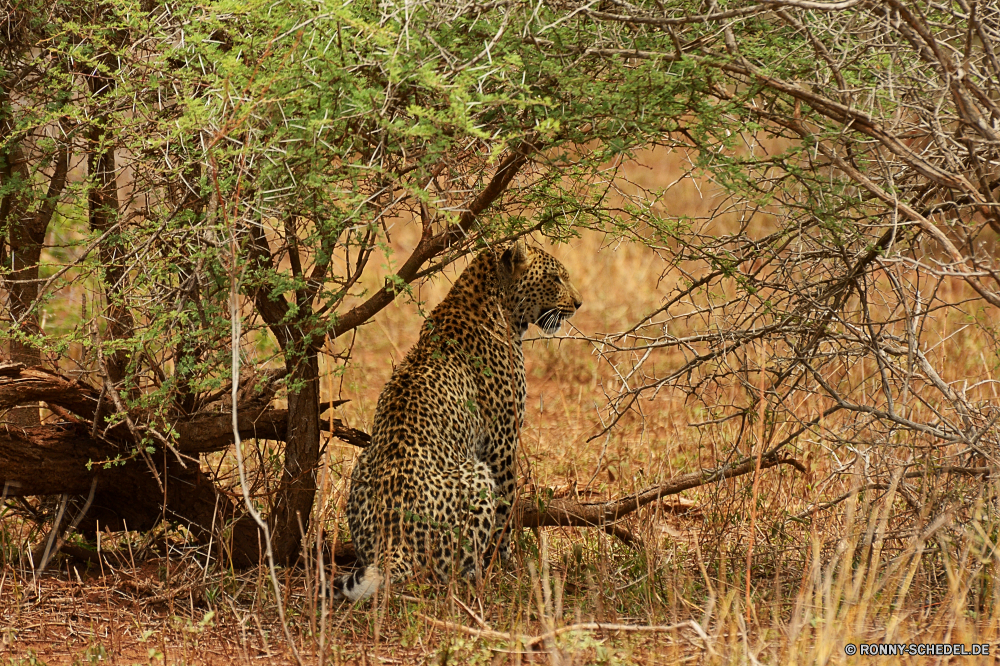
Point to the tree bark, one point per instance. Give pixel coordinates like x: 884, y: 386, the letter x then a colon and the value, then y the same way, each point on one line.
x: 199, y: 433
x: 132, y: 499
x: 66, y: 458
x: 26, y: 240
x: 50, y: 460
x: 102, y: 200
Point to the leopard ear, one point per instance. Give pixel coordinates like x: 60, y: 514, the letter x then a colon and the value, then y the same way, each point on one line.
x: 516, y: 259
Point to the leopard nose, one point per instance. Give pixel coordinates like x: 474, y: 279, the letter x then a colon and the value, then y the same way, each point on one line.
x: 574, y: 294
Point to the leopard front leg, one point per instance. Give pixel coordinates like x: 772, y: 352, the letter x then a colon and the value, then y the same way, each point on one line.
x: 504, y: 470
x: 501, y: 450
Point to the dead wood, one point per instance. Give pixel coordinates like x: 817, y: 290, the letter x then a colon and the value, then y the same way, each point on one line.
x: 66, y: 457
x: 539, y: 512
x: 204, y: 433
x: 20, y: 385
x: 199, y: 433
x: 51, y: 460
x: 132, y: 500
x: 9, y: 368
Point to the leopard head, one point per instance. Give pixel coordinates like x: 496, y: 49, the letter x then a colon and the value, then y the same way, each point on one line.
x: 539, y: 290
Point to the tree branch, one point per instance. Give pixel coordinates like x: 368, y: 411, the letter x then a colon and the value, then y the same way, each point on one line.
x: 535, y: 512
x: 432, y: 246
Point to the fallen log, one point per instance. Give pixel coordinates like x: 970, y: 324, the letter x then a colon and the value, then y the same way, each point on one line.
x: 52, y: 459
x: 20, y: 385
x: 204, y: 433
x: 133, y: 500
x: 65, y: 457
x: 132, y: 491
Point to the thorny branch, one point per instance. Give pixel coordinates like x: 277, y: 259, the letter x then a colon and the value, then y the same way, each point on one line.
x: 872, y: 174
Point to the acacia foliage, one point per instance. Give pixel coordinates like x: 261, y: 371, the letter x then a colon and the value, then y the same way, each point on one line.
x: 856, y: 153
x: 295, y: 135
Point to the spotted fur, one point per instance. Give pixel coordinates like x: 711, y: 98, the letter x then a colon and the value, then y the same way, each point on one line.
x: 433, y: 490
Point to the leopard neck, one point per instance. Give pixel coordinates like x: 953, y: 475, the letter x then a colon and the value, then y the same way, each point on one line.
x: 479, y: 295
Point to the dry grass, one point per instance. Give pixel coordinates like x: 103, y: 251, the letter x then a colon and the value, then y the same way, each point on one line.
x: 681, y: 596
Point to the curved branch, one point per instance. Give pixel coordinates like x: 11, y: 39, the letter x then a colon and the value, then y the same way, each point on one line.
x: 535, y: 512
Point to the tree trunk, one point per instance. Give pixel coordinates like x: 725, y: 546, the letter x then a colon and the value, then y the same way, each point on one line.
x: 102, y: 199
x: 26, y: 239
x: 290, y: 517
x: 52, y: 460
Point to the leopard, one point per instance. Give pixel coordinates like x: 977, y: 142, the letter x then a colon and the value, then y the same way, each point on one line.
x: 433, y: 491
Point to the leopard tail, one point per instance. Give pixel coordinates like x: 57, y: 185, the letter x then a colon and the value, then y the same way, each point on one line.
x: 359, y: 584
